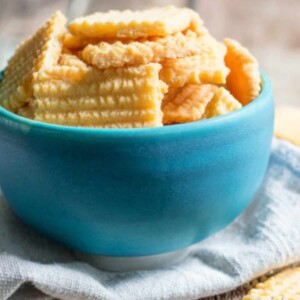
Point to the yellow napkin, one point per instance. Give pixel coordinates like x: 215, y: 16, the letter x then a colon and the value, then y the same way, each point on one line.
x: 287, y: 123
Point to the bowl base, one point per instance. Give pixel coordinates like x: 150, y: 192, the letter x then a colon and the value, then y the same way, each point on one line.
x: 129, y: 264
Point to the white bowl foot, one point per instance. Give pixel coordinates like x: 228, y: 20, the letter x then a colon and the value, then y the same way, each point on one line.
x: 128, y: 264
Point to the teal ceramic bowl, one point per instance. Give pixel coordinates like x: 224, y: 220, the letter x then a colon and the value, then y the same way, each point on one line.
x: 135, y: 192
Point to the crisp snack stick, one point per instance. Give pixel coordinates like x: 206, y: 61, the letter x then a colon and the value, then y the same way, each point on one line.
x: 222, y: 103
x: 119, y: 54
x: 186, y: 104
x: 74, y: 42
x: 282, y: 286
x: 133, y: 24
x: 208, y: 67
x: 287, y: 124
x: 28, y: 110
x: 40, y: 51
x: 105, y: 55
x: 71, y: 61
x: 111, y: 98
x: 196, y: 24
x: 243, y: 81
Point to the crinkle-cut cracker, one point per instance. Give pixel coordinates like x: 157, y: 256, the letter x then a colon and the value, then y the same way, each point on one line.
x: 71, y: 60
x: 28, y: 110
x: 111, y: 98
x: 65, y: 50
x: 244, y: 80
x: 119, y: 54
x: 74, y: 42
x: 160, y: 21
x: 186, y: 104
x: 64, y: 74
x: 196, y: 24
x: 40, y: 51
x: 207, y: 67
x: 282, y: 286
x: 222, y: 103
x: 105, y: 55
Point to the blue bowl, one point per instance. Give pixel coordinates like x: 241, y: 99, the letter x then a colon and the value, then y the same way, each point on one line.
x: 135, y: 192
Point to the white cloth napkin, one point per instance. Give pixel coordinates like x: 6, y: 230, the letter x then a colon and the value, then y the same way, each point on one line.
x: 265, y: 236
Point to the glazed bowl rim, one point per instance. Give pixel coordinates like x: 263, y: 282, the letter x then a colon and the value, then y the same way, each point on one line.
x: 170, y: 129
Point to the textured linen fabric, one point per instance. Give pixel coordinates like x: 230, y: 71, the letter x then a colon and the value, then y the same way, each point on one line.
x: 264, y: 237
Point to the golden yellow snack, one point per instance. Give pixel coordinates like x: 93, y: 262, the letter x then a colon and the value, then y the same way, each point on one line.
x: 40, y: 51
x: 71, y: 60
x: 160, y: 21
x: 282, y: 286
x: 111, y: 98
x: 73, y: 42
x: 207, y: 67
x: 119, y: 54
x: 28, y: 110
x: 243, y: 81
x: 222, y: 103
x: 105, y: 55
x: 125, y: 69
x: 76, y: 43
x: 65, y: 74
x: 287, y: 124
x: 196, y: 24
x: 186, y: 104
